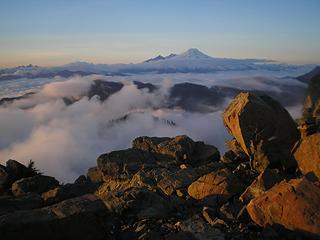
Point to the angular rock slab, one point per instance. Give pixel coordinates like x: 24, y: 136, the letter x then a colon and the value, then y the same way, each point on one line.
x: 293, y: 204
x: 220, y: 183
x: 307, y: 154
x: 264, y: 129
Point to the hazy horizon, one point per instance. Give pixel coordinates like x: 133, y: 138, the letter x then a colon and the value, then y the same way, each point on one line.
x: 153, y: 56
x: 50, y: 33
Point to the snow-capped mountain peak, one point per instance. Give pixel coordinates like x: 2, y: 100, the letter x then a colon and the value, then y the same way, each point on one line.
x: 193, y: 53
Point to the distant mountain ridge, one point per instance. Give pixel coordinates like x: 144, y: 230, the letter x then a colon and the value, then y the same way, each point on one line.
x: 187, y: 96
x: 160, y: 57
x: 191, y: 61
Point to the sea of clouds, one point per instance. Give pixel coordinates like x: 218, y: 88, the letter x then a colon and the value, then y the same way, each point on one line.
x: 64, y: 141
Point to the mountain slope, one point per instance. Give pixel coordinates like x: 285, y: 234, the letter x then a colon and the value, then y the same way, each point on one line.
x: 308, y: 76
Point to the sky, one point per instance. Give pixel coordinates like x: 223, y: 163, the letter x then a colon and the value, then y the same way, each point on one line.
x: 55, y: 32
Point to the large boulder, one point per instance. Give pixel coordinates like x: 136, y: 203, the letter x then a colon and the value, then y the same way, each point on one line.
x: 266, y: 180
x: 307, y: 154
x: 84, y: 217
x: 36, y: 184
x: 264, y: 129
x: 221, y: 183
x: 293, y: 204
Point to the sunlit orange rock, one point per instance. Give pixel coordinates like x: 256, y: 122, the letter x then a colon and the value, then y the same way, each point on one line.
x: 293, y: 204
x: 264, y: 129
x: 220, y: 183
x: 307, y: 154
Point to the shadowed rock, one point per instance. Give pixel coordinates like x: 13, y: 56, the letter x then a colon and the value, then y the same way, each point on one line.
x: 181, y: 148
x: 36, y: 184
x: 124, y: 164
x: 67, y: 191
x: 200, y: 229
x: 12, y: 203
x: 171, y: 181
x: 267, y: 179
x: 169, y: 164
x: 310, y: 121
x: 12, y: 172
x: 84, y: 217
x: 137, y: 203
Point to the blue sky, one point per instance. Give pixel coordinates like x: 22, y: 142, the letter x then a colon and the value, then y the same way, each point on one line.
x: 53, y: 32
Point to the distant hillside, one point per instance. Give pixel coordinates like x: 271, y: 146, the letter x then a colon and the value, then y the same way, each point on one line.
x: 308, y: 76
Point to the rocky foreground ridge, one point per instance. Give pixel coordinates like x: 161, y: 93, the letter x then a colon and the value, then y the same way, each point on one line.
x: 266, y: 186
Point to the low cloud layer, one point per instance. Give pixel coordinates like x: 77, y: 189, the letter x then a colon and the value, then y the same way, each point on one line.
x: 65, y: 140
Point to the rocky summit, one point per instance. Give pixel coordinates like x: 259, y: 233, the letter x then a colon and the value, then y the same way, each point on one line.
x: 266, y: 186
